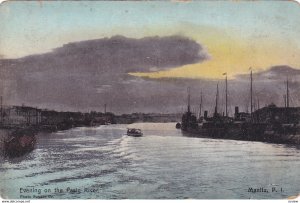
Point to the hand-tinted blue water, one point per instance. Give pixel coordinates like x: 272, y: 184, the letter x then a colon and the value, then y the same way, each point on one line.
x: 161, y: 164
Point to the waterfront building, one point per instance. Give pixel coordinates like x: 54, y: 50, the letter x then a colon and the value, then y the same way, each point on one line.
x: 272, y: 113
x: 20, y: 115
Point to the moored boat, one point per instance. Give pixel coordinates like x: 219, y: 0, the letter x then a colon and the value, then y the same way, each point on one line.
x: 21, y: 142
x: 268, y: 124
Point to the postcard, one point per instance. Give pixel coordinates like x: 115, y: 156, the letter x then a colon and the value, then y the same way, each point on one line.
x: 149, y: 100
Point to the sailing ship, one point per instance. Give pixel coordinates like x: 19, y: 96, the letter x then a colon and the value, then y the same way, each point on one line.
x: 286, y: 130
x: 222, y: 126
x: 216, y: 126
x: 251, y: 128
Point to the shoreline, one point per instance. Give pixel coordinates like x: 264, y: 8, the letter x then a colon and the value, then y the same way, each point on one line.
x: 274, y: 139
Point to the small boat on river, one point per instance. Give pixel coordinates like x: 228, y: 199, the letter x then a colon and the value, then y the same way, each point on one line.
x: 134, y: 132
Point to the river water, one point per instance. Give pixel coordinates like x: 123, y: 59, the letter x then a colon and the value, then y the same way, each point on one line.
x: 103, y: 163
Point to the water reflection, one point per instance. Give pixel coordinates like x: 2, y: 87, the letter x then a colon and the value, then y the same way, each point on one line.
x: 161, y: 164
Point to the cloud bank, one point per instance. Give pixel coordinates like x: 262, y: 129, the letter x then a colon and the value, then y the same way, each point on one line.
x: 83, y: 76
x: 87, y: 74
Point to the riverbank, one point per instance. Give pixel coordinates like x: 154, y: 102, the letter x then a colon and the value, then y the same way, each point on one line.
x: 275, y: 138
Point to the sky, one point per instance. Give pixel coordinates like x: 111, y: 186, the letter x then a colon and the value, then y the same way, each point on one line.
x: 236, y: 34
x: 228, y: 36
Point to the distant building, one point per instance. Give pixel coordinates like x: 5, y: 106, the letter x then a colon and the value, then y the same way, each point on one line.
x: 98, y: 118
x: 272, y: 113
x: 50, y: 117
x: 20, y: 115
x: 241, y: 116
x: 148, y: 117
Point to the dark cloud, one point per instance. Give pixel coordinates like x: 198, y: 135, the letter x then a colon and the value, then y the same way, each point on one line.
x: 85, y: 75
x: 270, y: 85
x: 273, y: 73
x: 118, y: 54
x: 135, y: 54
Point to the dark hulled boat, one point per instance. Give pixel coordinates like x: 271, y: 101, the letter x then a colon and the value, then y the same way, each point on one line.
x: 216, y: 127
x: 134, y: 132
x: 21, y: 142
x: 221, y: 126
x: 250, y: 129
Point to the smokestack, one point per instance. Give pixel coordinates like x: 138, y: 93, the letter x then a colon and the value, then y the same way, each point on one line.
x: 236, y: 111
x: 1, y: 110
x: 205, y: 114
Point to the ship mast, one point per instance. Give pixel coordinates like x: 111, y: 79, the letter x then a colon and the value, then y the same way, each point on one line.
x: 251, y: 92
x: 1, y: 110
x: 217, y: 98
x: 200, y: 107
x: 226, y: 94
x: 287, y: 100
x: 287, y: 93
x: 189, y: 100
